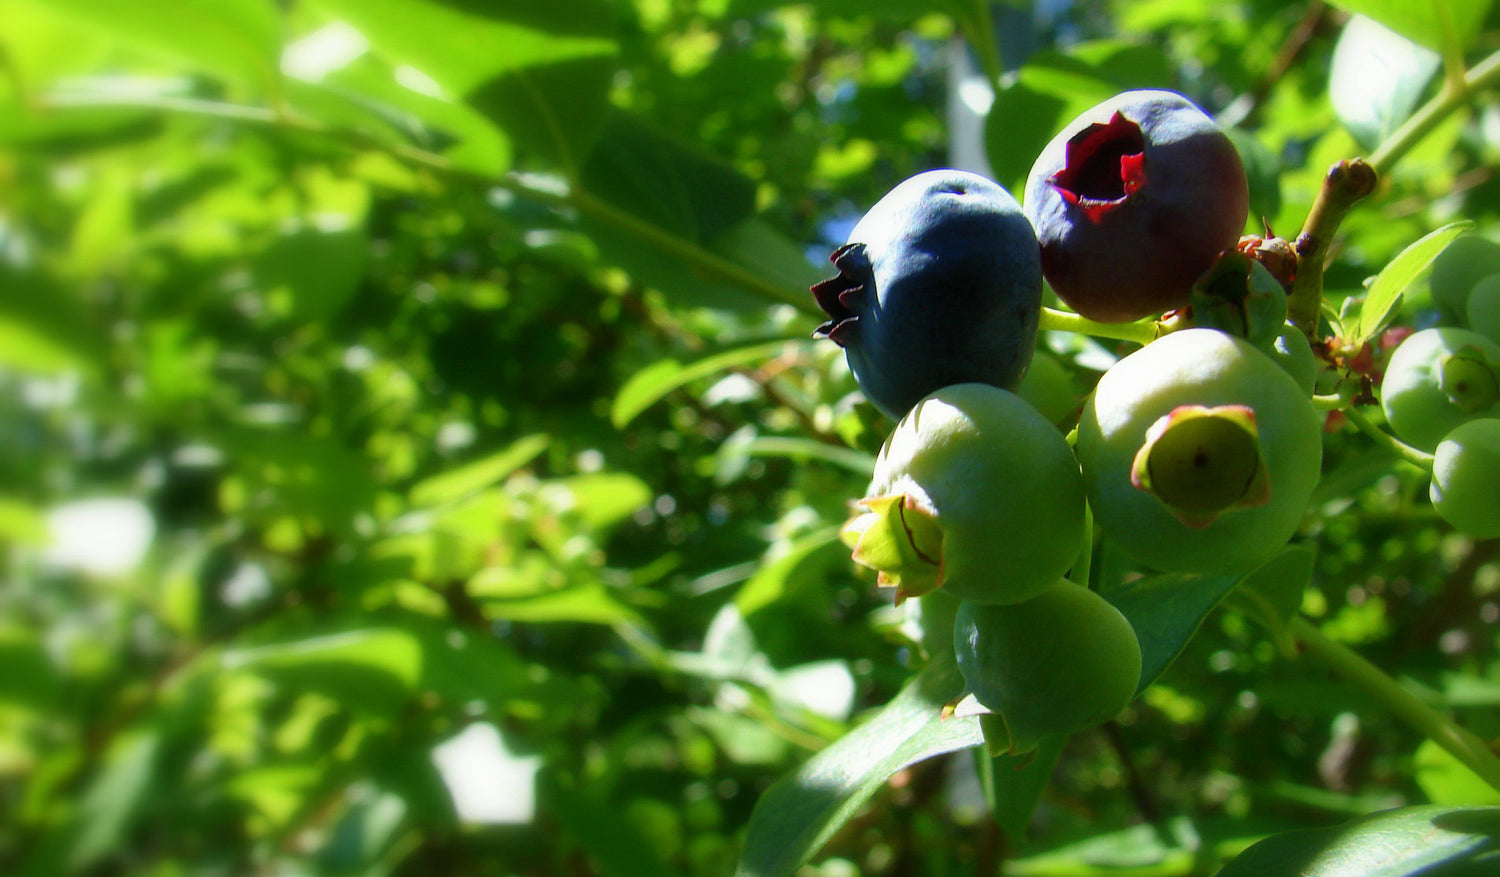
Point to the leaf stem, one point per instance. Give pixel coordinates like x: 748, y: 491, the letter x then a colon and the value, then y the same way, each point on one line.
x: 1403, y: 451
x: 1400, y: 702
x: 1065, y: 321
x: 1454, y: 94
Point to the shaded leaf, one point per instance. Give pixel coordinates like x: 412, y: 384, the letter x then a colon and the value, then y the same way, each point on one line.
x: 319, y: 268
x: 1166, y: 610
x: 797, y: 815
x: 1272, y: 594
x: 1013, y: 784
x: 613, y: 845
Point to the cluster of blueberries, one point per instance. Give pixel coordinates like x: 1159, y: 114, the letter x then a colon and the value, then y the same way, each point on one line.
x: 1197, y: 453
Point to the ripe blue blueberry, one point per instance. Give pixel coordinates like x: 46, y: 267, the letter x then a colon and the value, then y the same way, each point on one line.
x: 939, y: 284
x: 1132, y: 201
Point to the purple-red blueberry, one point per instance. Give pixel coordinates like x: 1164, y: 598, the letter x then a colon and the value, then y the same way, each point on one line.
x: 939, y: 284
x: 1132, y: 201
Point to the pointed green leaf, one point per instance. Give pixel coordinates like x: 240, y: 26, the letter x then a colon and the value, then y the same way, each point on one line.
x: 376, y: 669
x: 806, y: 561
x: 1432, y: 841
x: 797, y: 815
x: 237, y: 39
x: 1441, y: 25
x: 1376, y: 79
x: 651, y: 384
x: 1384, y: 297
x: 455, y: 484
x: 1166, y: 610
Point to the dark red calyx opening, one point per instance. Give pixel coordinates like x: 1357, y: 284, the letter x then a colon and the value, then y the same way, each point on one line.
x: 839, y: 295
x: 1102, y: 166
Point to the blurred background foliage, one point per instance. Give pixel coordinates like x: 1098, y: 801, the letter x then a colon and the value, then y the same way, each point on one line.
x: 415, y: 460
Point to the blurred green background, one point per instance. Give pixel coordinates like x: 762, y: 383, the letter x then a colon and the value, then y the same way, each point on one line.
x: 414, y: 459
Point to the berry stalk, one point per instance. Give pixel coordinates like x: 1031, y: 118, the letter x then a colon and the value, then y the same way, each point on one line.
x: 1401, y: 703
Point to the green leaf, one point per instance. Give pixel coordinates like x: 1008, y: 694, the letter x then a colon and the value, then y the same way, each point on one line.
x: 797, y: 815
x: 858, y: 462
x: 469, y: 479
x: 376, y: 669
x: 461, y: 45
x: 319, y: 268
x: 237, y: 39
x: 613, y: 845
x: 116, y: 798
x: 1440, y: 25
x: 1384, y: 297
x: 597, y: 500
x: 1166, y: 610
x: 1272, y: 594
x: 28, y: 674
x: 586, y: 604
x: 667, y: 181
x: 24, y: 349
x: 1013, y: 784
x: 1431, y: 841
x: 654, y: 382
x: 806, y: 561
x: 1446, y: 780
x: 1376, y: 79
x: 541, y: 71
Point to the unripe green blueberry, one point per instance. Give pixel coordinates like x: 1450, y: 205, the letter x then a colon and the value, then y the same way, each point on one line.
x: 1060, y: 662
x: 1049, y: 388
x: 1438, y: 379
x: 1484, y: 308
x: 1466, y: 478
x: 976, y: 493
x: 1199, y: 453
x: 1467, y: 260
x: 1292, y: 351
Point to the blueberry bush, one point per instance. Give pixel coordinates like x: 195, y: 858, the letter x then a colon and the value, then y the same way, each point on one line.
x: 650, y: 437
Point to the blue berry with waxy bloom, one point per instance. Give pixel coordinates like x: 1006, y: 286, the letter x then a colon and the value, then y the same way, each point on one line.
x: 1131, y: 203
x: 939, y: 284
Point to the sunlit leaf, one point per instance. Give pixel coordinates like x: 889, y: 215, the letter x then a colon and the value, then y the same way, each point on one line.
x: 374, y: 669
x: 1384, y: 298
x: 1431, y: 841
x: 587, y: 604
x: 1446, y: 780
x: 654, y: 382
x: 1440, y: 25
x: 455, y: 484
x: 1377, y: 78
x: 804, y: 562
x: 239, y: 39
